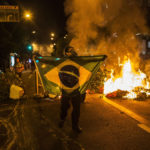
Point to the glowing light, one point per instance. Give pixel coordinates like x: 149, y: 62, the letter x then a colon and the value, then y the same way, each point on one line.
x: 59, y: 97
x: 12, y: 60
x: 37, y: 61
x: 43, y: 66
x: 52, y: 34
x: 27, y: 15
x: 35, y: 47
x: 57, y: 58
x: 33, y: 32
x: 131, y: 95
x: 29, y: 60
x: 29, y: 47
x: 51, y: 45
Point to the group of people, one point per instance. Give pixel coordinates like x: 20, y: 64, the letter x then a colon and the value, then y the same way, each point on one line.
x: 20, y: 67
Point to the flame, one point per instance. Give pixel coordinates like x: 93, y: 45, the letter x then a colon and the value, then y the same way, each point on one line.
x: 128, y: 81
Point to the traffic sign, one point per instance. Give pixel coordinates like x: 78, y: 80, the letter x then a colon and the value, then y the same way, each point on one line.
x: 9, y: 13
x: 9, y: 7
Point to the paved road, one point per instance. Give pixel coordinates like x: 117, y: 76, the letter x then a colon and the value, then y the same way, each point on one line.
x: 31, y: 124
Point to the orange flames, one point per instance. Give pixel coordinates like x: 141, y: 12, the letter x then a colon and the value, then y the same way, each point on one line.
x: 128, y: 81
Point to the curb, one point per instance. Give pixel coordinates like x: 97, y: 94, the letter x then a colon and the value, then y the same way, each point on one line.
x: 142, y: 122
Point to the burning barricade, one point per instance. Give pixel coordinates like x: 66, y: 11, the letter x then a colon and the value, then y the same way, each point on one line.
x: 130, y: 85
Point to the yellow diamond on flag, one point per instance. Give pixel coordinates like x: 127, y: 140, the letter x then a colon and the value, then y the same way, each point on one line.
x: 78, y: 73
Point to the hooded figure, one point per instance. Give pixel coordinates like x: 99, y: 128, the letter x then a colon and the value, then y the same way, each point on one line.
x: 74, y: 98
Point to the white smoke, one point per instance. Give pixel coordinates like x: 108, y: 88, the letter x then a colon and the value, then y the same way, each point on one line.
x: 106, y: 27
x: 42, y: 49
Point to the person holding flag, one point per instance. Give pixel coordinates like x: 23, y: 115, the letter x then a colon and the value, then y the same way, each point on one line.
x: 68, y: 76
x: 73, y: 98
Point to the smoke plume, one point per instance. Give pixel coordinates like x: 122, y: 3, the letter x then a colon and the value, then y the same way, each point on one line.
x: 42, y: 49
x: 106, y: 27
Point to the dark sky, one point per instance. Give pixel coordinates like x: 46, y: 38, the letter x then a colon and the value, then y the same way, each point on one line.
x: 48, y: 16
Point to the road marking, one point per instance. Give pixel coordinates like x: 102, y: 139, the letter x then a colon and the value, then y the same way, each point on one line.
x: 133, y: 115
x: 144, y: 127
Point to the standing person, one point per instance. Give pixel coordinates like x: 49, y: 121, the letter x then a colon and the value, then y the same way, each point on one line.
x: 73, y: 98
x: 32, y: 65
x: 19, y: 67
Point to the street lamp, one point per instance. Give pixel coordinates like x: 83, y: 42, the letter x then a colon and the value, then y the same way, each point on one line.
x: 27, y: 15
x: 33, y: 32
x: 52, y: 38
x: 52, y: 34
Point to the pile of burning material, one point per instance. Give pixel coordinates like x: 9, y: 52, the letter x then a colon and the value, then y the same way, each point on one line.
x: 138, y: 95
x: 131, y: 84
x: 117, y: 94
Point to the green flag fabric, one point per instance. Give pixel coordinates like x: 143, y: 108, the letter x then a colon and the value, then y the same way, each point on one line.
x: 67, y: 73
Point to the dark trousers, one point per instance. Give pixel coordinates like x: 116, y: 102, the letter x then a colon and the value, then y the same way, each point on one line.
x: 66, y: 101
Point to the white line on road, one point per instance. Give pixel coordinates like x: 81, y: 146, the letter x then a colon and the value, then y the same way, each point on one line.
x: 144, y: 123
x: 144, y: 127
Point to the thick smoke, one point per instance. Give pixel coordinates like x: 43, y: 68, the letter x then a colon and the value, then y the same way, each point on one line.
x: 43, y: 50
x: 106, y: 27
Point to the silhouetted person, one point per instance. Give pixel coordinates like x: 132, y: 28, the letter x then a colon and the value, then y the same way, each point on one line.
x: 74, y: 97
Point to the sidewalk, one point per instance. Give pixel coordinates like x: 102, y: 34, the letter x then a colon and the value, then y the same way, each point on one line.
x: 136, y: 109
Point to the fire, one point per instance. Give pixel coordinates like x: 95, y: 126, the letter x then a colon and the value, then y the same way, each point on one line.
x: 129, y: 81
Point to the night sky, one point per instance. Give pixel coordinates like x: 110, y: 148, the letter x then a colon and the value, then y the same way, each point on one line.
x: 48, y: 16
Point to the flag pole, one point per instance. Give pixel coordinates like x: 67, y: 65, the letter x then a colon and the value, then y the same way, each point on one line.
x: 38, y: 75
x: 37, y: 83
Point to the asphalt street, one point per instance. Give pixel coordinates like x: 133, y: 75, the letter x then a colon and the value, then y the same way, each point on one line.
x: 32, y: 124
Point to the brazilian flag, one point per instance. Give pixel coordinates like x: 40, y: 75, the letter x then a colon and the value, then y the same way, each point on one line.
x: 67, y: 73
